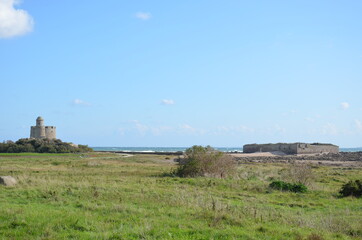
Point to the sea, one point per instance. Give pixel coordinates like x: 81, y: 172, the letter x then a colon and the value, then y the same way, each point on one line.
x: 182, y: 149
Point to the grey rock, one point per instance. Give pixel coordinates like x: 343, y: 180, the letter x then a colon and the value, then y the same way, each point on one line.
x: 7, y: 181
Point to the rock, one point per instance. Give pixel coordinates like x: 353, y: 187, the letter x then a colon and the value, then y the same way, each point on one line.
x: 7, y: 181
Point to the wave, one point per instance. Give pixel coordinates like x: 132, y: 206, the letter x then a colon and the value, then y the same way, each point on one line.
x: 160, y: 149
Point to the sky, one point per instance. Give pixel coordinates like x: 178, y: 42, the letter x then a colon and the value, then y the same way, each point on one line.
x: 179, y: 73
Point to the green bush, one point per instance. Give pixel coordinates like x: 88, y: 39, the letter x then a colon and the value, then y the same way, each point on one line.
x: 352, y: 188
x: 291, y: 187
x: 202, y: 161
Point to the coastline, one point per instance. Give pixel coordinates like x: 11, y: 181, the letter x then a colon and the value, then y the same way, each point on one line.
x: 169, y: 150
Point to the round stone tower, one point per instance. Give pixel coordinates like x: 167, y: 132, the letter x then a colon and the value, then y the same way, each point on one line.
x: 39, y: 121
x: 41, y: 131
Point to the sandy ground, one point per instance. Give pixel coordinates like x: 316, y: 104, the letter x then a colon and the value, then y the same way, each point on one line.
x: 259, y: 154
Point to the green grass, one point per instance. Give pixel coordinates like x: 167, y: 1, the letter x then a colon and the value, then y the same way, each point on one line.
x: 106, y: 196
x: 38, y: 154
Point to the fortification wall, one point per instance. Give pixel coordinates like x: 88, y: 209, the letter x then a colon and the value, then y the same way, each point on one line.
x: 291, y: 148
x: 304, y: 148
x: 282, y: 147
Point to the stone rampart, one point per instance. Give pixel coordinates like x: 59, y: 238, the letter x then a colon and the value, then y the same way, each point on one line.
x: 292, y: 148
x: 304, y: 148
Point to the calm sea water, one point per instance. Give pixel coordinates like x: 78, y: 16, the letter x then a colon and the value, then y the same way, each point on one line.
x: 177, y: 149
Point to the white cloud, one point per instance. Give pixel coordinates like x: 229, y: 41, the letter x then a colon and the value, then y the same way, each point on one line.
x: 143, y: 16
x: 168, y: 101
x: 358, y: 124
x: 80, y: 102
x: 14, y: 22
x: 345, y: 105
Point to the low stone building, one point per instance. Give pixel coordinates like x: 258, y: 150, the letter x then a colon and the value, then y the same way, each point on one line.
x: 41, y: 131
x: 292, y: 148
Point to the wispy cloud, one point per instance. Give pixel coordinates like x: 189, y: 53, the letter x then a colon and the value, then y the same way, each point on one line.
x: 345, y: 105
x: 143, y: 15
x: 157, y: 131
x: 144, y: 129
x: 168, y: 102
x: 141, y: 128
x: 121, y: 131
x: 189, y: 130
x: 80, y: 102
x: 329, y: 129
x: 233, y: 130
x: 309, y: 119
x: 313, y: 118
x: 279, y: 129
x: 14, y: 22
x: 358, y: 124
x: 291, y: 112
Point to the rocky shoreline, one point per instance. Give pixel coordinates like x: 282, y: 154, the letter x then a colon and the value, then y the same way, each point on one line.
x: 343, y: 159
x: 342, y: 156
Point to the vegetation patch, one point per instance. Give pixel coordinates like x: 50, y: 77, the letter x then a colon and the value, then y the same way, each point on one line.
x: 291, y: 187
x: 202, y: 161
x: 33, y: 145
x: 299, y: 173
x: 352, y: 188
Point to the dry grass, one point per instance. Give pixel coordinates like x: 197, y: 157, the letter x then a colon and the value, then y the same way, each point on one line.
x: 299, y: 173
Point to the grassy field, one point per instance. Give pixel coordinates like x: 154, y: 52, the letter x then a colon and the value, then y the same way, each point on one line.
x: 107, y: 196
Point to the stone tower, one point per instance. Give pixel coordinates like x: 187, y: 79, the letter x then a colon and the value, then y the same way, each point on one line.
x: 41, y: 131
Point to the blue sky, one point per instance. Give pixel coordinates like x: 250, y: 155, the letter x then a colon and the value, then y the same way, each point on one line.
x: 179, y: 73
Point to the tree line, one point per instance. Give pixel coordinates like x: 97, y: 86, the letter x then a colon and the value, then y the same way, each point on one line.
x: 41, y: 146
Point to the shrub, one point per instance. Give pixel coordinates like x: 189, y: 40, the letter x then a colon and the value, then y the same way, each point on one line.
x: 352, y: 188
x: 291, y: 187
x: 205, y: 162
x: 299, y: 173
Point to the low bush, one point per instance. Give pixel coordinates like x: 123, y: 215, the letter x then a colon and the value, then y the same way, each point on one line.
x: 291, y: 187
x: 201, y: 161
x: 299, y: 173
x: 352, y: 188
